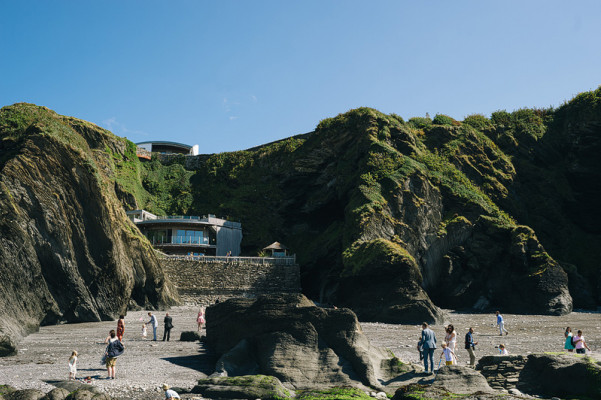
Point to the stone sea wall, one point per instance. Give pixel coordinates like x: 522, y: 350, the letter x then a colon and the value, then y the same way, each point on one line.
x: 201, y: 282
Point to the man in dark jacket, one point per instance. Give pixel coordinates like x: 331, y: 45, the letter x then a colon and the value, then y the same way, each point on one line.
x: 168, y: 326
x: 470, y: 346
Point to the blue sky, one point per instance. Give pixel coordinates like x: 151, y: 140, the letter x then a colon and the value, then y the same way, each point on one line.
x: 229, y: 75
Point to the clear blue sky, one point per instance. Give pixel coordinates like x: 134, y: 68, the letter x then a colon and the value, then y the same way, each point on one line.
x: 229, y: 75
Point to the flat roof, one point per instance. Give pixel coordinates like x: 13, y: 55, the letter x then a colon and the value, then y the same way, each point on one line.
x: 176, y: 144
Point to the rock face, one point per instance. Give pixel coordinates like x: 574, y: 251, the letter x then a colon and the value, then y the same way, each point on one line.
x: 560, y: 375
x: 288, y: 337
x: 242, y: 387
x: 460, y: 380
x: 10, y: 393
x: 68, y: 253
x: 390, y: 219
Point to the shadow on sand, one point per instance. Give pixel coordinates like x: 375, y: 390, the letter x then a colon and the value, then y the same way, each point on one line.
x: 203, y: 362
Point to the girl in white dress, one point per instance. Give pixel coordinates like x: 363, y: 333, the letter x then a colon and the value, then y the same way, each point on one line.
x: 72, y: 365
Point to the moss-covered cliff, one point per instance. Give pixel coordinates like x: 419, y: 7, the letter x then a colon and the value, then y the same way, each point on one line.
x: 67, y: 250
x: 378, y: 208
x: 389, y: 217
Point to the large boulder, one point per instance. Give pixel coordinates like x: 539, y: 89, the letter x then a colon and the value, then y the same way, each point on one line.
x: 427, y: 392
x: 68, y: 252
x: 564, y: 375
x: 242, y: 387
x: 56, y: 394
x: 461, y: 380
x: 72, y: 386
x: 25, y: 394
x: 288, y: 337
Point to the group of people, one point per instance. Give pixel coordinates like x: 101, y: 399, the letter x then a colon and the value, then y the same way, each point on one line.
x: 154, y: 323
x: 575, y: 342
x: 115, y: 347
x: 427, y: 344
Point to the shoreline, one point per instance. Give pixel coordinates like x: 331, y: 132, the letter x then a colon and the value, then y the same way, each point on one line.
x: 42, y: 357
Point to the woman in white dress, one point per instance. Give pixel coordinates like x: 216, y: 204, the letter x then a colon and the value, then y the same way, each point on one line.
x: 451, y: 339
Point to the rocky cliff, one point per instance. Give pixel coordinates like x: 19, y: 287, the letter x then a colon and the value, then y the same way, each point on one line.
x: 391, y: 218
x: 394, y: 218
x: 68, y: 253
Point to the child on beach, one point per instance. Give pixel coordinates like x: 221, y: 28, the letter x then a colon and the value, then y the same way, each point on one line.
x: 72, y: 365
x: 580, y: 344
x: 144, y: 333
x: 502, y: 350
x: 569, y: 346
x: 420, y: 349
x: 448, y: 354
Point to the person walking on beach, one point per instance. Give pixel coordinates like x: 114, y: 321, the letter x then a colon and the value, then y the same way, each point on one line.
x: 170, y: 393
x: 580, y: 343
x: 470, y: 346
x: 501, y: 324
x: 568, y: 344
x: 155, y: 324
x: 200, y: 318
x: 428, y: 346
x: 168, y: 322
x: 121, y: 327
x: 114, y: 349
x: 73, y: 365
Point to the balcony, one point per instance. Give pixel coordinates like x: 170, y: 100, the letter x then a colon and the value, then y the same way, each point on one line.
x: 181, y: 241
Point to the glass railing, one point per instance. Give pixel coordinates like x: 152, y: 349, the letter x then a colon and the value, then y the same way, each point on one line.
x: 179, y: 240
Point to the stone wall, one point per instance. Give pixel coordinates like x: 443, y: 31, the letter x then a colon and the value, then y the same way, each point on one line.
x: 201, y: 282
x: 501, y: 372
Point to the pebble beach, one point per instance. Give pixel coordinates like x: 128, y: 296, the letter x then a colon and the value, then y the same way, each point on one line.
x: 42, y: 357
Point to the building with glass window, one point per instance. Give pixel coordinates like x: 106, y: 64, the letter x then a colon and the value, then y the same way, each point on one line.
x: 187, y: 235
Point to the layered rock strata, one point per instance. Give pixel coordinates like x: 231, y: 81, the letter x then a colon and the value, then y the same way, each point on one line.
x: 288, y: 337
x: 68, y: 253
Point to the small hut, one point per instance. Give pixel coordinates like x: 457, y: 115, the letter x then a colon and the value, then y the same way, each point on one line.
x: 277, y: 249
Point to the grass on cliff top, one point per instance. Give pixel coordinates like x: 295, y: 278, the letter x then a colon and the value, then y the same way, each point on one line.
x: 20, y: 120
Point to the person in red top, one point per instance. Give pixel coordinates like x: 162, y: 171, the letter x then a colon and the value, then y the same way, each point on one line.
x: 121, y: 327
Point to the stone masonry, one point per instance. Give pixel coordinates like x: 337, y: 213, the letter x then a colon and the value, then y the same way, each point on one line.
x: 201, y: 282
x: 501, y: 372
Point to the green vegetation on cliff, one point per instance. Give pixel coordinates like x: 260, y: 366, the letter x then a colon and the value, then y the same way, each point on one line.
x: 367, y: 193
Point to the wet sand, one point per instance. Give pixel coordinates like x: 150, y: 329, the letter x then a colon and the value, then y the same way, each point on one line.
x: 145, y: 365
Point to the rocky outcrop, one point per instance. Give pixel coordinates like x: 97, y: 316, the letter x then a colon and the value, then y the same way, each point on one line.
x: 68, y: 253
x: 90, y: 393
x: 460, y: 380
x: 288, y: 337
x: 389, y: 220
x: 561, y: 375
x: 242, y: 387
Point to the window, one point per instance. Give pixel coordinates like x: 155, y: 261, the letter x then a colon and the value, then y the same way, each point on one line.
x: 184, y: 236
x: 157, y: 237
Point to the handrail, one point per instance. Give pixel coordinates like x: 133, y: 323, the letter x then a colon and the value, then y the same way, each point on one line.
x: 204, y: 240
x: 286, y: 260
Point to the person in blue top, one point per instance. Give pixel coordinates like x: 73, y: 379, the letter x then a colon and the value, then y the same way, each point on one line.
x: 501, y: 324
x: 428, y: 346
